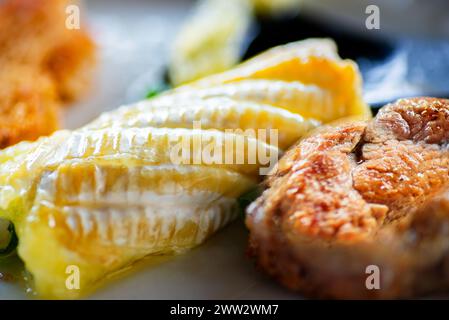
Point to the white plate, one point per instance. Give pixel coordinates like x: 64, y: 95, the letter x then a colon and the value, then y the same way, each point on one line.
x: 133, y: 39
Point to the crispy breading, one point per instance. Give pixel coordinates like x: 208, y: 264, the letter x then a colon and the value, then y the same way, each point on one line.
x: 42, y: 65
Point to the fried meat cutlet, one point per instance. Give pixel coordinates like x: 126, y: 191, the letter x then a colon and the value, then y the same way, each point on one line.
x: 357, y: 195
x: 42, y: 65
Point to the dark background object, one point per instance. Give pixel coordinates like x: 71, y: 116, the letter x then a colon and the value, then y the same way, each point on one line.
x: 277, y: 30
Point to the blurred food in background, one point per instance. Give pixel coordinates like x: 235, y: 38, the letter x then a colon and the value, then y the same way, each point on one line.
x: 269, y: 7
x: 211, y: 40
x: 215, y: 36
x: 43, y: 65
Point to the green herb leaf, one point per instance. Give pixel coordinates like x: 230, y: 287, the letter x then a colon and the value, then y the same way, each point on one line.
x: 156, y: 90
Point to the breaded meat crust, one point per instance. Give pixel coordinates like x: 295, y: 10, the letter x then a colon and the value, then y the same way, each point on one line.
x: 359, y: 196
x: 42, y: 65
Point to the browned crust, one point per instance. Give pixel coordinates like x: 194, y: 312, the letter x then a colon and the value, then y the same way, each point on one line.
x: 360, y: 194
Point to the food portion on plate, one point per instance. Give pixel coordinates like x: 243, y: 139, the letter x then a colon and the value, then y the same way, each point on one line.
x: 211, y: 40
x: 43, y: 64
x: 357, y: 195
x: 142, y: 180
x: 216, y: 34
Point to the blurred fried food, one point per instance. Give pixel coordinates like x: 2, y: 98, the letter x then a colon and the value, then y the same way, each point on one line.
x: 42, y: 65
